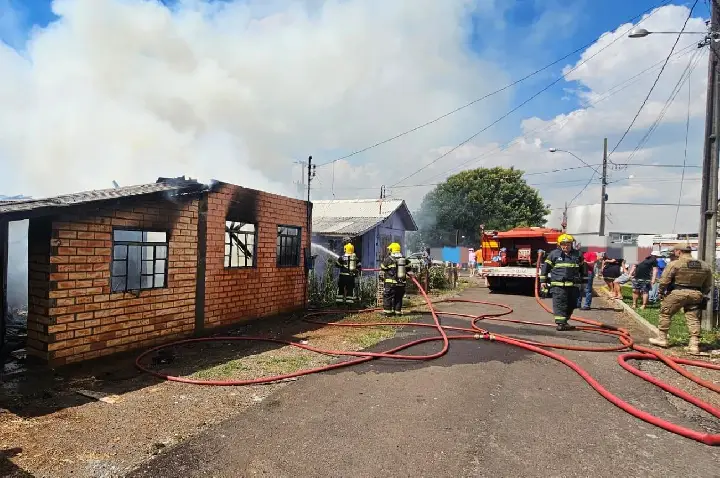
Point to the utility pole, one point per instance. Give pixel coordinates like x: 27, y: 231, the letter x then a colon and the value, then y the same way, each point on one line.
x: 308, y: 230
x: 310, y: 175
x: 563, y: 224
x: 603, y: 196
x: 709, y: 200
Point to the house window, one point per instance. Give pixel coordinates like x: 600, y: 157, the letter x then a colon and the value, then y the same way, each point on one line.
x: 620, y: 238
x: 139, y: 260
x: 240, y: 240
x: 288, y: 246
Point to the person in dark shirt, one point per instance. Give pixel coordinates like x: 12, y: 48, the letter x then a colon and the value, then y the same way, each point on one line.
x: 611, y: 270
x: 643, y: 276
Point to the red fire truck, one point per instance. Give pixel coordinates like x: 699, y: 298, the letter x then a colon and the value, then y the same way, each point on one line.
x: 510, y: 257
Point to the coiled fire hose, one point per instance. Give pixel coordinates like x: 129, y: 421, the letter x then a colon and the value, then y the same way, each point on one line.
x: 474, y: 332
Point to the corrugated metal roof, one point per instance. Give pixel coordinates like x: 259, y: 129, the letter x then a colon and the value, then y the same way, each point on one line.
x: 354, y: 217
x: 378, y: 208
x: 340, y: 226
x: 7, y: 207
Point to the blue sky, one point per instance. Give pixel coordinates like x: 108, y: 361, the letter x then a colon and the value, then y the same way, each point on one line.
x: 537, y: 32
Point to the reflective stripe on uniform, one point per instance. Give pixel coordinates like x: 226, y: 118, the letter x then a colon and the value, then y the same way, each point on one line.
x: 567, y: 264
x: 548, y: 261
x: 562, y: 284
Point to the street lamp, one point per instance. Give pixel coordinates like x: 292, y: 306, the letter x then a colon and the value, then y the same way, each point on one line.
x: 555, y: 150
x: 641, y: 33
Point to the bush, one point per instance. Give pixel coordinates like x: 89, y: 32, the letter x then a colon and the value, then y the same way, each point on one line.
x: 438, y: 279
x: 323, y: 288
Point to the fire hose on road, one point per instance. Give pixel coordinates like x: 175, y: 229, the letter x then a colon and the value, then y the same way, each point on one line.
x: 631, y: 350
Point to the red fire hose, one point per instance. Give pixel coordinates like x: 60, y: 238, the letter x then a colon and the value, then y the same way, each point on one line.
x: 476, y: 332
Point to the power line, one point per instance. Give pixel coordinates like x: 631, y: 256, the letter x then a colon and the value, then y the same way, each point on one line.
x: 569, y: 181
x: 652, y: 88
x: 651, y: 204
x: 510, y: 85
x: 477, y: 100
x: 682, y: 177
x: 553, y: 83
x: 688, y: 69
x: 684, y: 77
x: 583, y: 189
x: 602, y: 97
x: 629, y: 204
x: 507, y: 145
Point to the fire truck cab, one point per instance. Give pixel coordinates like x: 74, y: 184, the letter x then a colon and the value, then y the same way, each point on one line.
x: 510, y: 257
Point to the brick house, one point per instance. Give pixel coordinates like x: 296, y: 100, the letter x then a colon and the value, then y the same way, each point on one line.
x: 130, y: 267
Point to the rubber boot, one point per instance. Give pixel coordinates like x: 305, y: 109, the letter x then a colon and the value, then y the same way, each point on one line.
x: 660, y: 340
x: 564, y: 326
x: 694, y: 346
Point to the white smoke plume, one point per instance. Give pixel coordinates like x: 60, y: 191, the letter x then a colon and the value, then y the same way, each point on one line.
x: 130, y: 90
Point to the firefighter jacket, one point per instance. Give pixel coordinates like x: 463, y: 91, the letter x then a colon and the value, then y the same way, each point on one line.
x: 562, y: 269
x: 687, y: 273
x: 389, y: 268
x: 343, y: 263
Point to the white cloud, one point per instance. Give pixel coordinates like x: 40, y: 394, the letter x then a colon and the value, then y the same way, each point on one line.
x: 128, y: 90
x: 581, y: 131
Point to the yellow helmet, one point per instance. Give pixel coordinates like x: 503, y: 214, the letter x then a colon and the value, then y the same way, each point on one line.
x: 349, y: 248
x: 565, y: 238
x: 394, y: 247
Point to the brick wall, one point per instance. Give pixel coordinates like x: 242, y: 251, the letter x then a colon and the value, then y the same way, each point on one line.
x: 237, y: 294
x: 72, y: 313
x: 38, y: 320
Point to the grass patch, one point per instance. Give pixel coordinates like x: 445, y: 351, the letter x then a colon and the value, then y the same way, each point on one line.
x: 678, y: 333
x: 226, y: 369
x: 377, y: 334
x: 258, y: 365
x: 374, y: 337
x: 282, y: 365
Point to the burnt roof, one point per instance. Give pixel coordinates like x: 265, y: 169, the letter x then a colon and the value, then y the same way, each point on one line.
x: 21, y: 209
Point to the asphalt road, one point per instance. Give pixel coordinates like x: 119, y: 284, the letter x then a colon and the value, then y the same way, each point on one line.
x: 484, y: 409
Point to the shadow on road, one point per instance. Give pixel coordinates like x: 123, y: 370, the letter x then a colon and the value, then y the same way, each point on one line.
x: 8, y: 469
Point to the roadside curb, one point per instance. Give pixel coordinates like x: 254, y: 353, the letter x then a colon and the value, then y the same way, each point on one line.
x: 629, y: 310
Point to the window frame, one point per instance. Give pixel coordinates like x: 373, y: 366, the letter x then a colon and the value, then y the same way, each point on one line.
x: 279, y: 245
x: 254, y: 264
x: 142, y: 244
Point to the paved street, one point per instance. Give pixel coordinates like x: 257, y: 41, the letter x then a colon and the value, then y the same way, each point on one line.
x: 484, y: 409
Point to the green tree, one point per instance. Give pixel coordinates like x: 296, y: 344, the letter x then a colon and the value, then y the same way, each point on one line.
x: 497, y: 197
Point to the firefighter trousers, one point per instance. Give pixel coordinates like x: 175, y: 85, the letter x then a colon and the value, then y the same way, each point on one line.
x: 686, y: 299
x: 392, y: 298
x: 564, y: 301
x: 346, y: 289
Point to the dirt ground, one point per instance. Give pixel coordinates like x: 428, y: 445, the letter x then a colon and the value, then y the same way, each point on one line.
x: 48, y: 428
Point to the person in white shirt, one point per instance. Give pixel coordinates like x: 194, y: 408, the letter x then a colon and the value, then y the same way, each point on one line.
x: 471, y: 261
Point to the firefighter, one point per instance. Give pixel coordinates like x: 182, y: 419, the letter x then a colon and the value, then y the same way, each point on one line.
x: 685, y: 283
x: 562, y: 273
x: 395, y: 269
x: 350, y: 267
